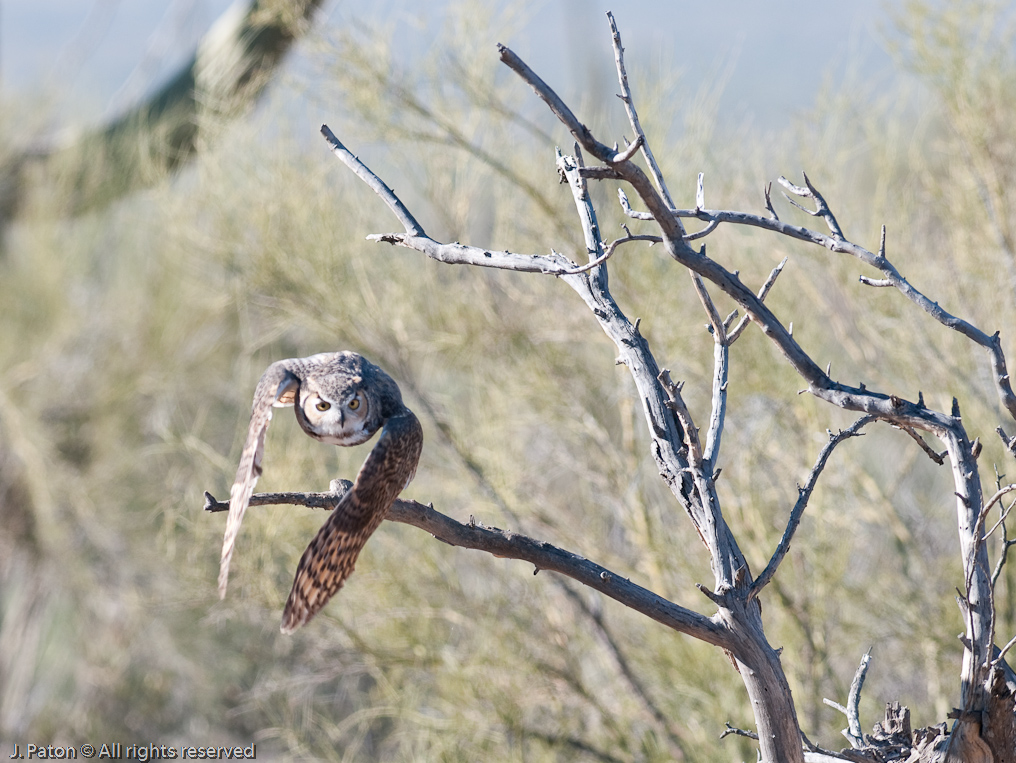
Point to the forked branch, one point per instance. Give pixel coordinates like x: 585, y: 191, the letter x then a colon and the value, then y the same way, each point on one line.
x: 837, y: 243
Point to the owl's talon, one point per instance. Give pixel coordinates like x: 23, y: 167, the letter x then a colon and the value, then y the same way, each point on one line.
x: 339, y: 486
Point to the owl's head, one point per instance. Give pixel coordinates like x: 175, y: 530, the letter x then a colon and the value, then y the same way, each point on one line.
x: 340, y: 398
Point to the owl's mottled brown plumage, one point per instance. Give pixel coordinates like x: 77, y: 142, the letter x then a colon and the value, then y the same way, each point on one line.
x: 343, y: 399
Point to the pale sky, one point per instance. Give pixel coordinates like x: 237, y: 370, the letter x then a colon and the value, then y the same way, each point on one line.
x: 781, y: 50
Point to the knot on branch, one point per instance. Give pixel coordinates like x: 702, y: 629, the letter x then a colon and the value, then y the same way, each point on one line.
x: 396, y: 239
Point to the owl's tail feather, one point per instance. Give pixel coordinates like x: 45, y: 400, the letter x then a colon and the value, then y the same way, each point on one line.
x: 331, y: 556
x: 323, y: 568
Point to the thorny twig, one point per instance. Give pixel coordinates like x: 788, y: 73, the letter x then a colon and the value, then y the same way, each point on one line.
x: 762, y: 294
x: 803, y: 495
x: 737, y: 732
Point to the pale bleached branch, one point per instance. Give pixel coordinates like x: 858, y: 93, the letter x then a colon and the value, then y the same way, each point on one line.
x: 721, y: 357
x: 633, y: 117
x: 834, y: 705
x: 462, y: 254
x: 631, y: 150
x: 455, y: 253
x: 1001, y: 652
x: 378, y: 186
x: 626, y: 207
x: 717, y: 415
x: 821, y: 208
x: 853, y: 732
x: 856, y: 736
x: 811, y: 756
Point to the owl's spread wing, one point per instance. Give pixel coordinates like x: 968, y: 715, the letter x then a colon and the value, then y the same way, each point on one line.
x: 331, y: 556
x: 277, y: 387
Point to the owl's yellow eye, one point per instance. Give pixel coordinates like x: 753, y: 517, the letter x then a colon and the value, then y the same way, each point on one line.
x: 354, y: 403
x: 323, y: 405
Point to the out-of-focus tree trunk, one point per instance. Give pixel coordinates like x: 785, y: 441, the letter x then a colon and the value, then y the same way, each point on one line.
x: 229, y: 71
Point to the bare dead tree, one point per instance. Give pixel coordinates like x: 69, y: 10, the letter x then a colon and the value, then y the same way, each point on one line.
x: 984, y: 728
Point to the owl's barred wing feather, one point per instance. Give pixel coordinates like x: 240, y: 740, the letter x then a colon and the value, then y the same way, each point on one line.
x: 331, y: 556
x: 276, y: 388
x: 340, y: 398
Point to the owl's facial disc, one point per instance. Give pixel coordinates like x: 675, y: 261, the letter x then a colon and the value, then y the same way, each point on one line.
x: 340, y: 422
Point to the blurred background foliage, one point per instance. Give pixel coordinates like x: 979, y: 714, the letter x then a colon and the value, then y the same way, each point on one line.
x: 132, y: 338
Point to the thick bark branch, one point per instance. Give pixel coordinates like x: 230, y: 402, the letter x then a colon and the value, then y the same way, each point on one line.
x: 991, y: 343
x: 508, y: 545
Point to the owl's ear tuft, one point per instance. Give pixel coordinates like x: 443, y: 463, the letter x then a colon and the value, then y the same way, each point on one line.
x: 285, y: 395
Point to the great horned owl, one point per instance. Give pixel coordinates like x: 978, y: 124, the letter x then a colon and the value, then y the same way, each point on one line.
x: 342, y: 399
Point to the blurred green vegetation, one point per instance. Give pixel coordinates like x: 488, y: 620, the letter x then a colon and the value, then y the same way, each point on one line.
x: 132, y: 338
